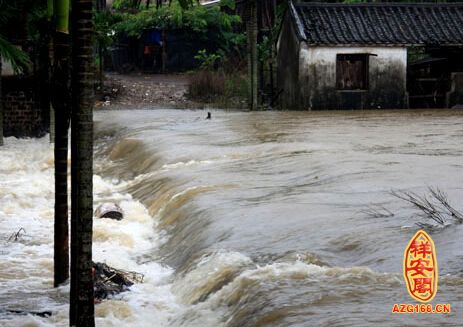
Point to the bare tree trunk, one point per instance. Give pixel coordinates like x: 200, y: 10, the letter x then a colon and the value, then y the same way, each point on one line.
x: 44, y: 65
x: 82, y: 311
x: 1, y: 105
x: 61, y: 104
x: 163, y: 51
x: 251, y: 30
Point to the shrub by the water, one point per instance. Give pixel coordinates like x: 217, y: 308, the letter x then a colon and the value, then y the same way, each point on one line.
x: 223, y: 89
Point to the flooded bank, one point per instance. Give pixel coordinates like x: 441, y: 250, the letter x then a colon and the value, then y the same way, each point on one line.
x: 248, y: 219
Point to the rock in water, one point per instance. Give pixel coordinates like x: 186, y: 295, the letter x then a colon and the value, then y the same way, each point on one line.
x: 109, y: 210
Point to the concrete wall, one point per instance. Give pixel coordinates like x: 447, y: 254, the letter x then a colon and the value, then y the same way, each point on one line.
x: 387, y: 79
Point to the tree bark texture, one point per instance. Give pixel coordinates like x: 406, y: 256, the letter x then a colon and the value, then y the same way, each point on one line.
x: 61, y: 100
x: 43, y: 73
x: 252, y: 31
x: 83, y: 75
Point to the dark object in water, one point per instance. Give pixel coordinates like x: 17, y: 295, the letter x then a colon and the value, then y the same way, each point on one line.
x: 458, y: 106
x: 209, y: 116
x: 43, y: 314
x: 110, y: 281
x: 109, y: 210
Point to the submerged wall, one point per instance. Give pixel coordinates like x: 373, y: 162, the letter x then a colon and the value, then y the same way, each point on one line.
x: 317, y: 79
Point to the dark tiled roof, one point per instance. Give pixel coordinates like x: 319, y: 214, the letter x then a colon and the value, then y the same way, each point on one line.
x: 379, y: 23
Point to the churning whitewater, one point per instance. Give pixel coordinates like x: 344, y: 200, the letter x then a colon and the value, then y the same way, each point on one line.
x: 247, y: 219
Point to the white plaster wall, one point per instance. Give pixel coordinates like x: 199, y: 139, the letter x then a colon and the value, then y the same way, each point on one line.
x: 317, y: 69
x: 326, y: 56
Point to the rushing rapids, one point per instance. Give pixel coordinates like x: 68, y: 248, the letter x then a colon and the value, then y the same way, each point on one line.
x: 247, y: 219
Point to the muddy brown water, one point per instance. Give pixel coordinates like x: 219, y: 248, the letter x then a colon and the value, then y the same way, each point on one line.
x: 259, y: 217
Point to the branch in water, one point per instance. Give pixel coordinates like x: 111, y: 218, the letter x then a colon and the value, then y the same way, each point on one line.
x: 433, y: 206
x: 377, y: 211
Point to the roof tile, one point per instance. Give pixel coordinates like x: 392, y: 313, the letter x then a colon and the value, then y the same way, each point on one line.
x: 381, y: 23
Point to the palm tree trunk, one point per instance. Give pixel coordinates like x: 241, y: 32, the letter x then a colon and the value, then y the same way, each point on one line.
x: 251, y: 31
x: 1, y: 105
x: 82, y: 300
x: 43, y: 71
x: 61, y: 105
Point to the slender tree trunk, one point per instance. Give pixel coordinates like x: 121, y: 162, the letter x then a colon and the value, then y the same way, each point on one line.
x: 61, y: 105
x: 251, y: 30
x: 1, y: 105
x: 163, y: 51
x: 44, y: 66
x: 261, y: 12
x: 82, y: 300
x: 51, y: 114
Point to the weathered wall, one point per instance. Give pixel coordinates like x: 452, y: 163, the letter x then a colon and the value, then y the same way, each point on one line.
x: 455, y: 95
x: 22, y: 116
x: 288, y: 66
x: 317, y: 79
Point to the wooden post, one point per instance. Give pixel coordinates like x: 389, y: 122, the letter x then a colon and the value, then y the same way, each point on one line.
x: 251, y: 30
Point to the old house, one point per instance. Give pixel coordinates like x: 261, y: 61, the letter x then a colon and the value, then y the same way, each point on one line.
x: 345, y: 56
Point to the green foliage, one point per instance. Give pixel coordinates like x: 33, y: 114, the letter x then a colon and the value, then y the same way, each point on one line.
x: 266, y: 47
x: 230, y: 4
x: 104, y: 31
x: 198, y: 19
x: 126, y: 4
x: 208, y: 61
x: 185, y: 4
x: 18, y: 58
x: 211, y: 24
x: 218, y: 87
x: 416, y: 53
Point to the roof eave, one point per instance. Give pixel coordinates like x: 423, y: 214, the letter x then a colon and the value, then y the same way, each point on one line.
x: 312, y: 44
x: 297, y: 22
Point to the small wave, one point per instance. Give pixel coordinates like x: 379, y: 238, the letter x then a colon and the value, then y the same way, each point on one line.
x: 180, y: 164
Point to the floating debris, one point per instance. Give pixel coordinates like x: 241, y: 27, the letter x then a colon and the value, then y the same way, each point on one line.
x: 44, y: 314
x: 110, y: 281
x: 109, y: 210
x: 17, y: 235
x: 434, y: 206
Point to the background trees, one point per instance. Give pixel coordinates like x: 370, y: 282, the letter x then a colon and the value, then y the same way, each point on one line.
x: 8, y: 52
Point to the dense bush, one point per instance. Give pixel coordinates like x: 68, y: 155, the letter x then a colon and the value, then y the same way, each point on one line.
x: 199, y: 19
x: 226, y: 89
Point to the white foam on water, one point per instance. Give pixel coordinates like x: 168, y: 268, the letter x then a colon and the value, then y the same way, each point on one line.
x: 26, y: 264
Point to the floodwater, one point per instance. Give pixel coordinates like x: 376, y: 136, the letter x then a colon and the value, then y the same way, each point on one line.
x: 248, y: 219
